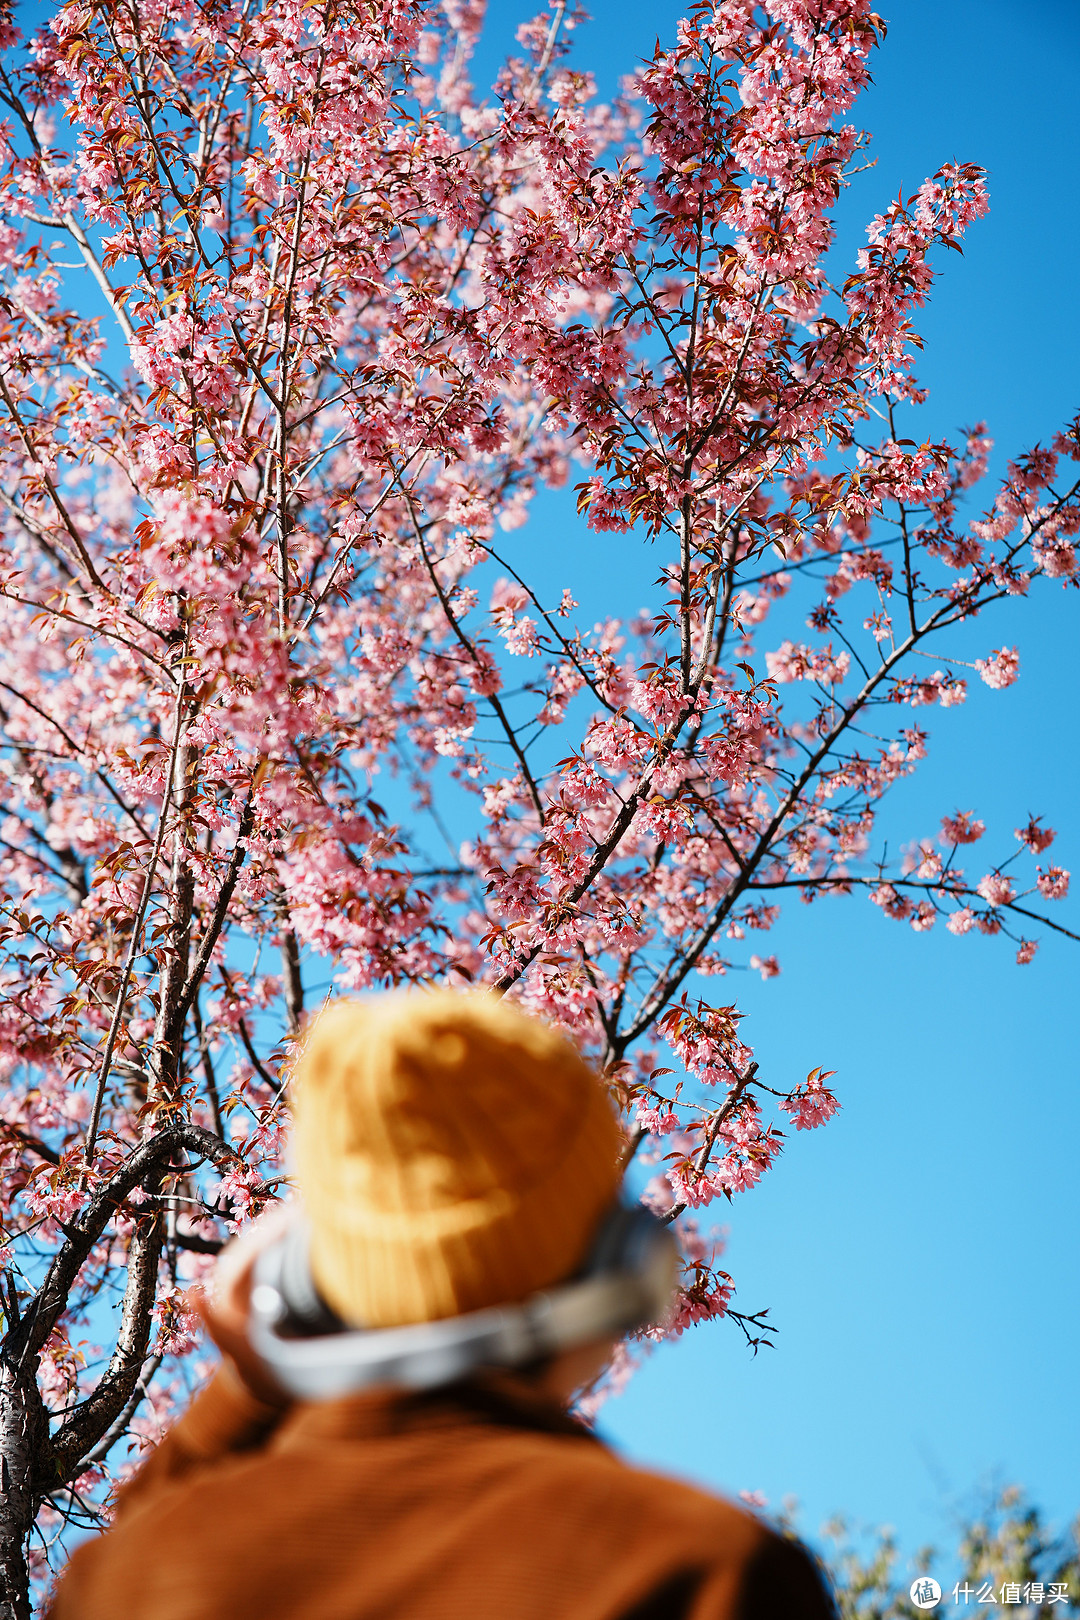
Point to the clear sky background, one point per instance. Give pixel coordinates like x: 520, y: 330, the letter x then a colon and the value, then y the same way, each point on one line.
x: 919, y: 1254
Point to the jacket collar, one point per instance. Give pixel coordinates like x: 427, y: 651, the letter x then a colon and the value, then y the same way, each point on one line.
x: 491, y: 1401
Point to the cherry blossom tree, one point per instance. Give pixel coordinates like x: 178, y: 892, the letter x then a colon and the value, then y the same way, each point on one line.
x: 293, y: 325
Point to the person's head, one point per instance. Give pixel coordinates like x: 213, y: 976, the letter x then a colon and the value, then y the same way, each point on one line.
x: 451, y: 1154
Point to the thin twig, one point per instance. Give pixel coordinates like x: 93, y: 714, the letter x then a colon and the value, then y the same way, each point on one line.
x: 137, y: 925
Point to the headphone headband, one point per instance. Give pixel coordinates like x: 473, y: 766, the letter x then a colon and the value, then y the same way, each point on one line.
x: 626, y: 1283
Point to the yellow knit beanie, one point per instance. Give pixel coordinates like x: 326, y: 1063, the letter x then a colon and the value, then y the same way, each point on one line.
x: 451, y: 1154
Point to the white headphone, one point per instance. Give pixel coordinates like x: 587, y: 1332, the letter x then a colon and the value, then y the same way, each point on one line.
x: 627, y: 1282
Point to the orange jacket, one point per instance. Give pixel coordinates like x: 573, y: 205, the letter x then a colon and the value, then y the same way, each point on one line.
x: 471, y: 1503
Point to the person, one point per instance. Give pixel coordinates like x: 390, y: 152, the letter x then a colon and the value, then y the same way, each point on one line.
x: 452, y: 1155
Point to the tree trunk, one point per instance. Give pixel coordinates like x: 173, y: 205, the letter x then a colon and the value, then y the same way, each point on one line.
x: 23, y: 1432
x: 34, y: 1462
x: 169, y: 1025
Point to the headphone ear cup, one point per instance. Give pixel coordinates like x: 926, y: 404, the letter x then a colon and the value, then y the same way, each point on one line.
x: 633, y: 1244
x: 304, y: 1304
x: 623, y: 1240
x: 626, y: 1284
x: 614, y: 1242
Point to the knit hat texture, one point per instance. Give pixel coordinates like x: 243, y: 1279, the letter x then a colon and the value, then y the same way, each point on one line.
x: 451, y: 1153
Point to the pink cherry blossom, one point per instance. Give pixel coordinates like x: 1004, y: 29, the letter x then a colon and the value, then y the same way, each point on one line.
x: 1036, y: 837
x: 813, y: 1104
x: 996, y: 888
x: 923, y: 917
x: 754, y: 1499
x: 962, y: 828
x: 296, y: 703
x: 1001, y: 668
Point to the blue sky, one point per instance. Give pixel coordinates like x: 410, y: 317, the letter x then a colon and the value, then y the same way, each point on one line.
x: 918, y: 1255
